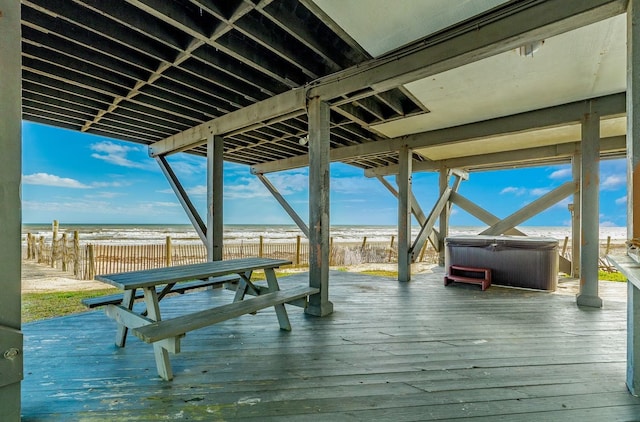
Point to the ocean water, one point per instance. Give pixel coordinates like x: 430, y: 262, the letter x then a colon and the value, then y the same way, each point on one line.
x: 138, y: 234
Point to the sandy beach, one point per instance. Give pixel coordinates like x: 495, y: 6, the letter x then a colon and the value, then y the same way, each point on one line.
x: 39, y: 278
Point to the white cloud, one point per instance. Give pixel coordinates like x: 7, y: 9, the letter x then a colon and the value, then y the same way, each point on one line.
x: 45, y: 179
x: 108, y: 147
x: 96, y: 208
x: 196, y: 190
x: 613, y: 182
x: 105, y: 195
x: 251, y: 187
x: 109, y: 184
x: 622, y: 200
x: 290, y: 183
x: 353, y: 185
x: 564, y: 204
x: 163, y: 204
x: 539, y: 191
x: 246, y: 188
x: 345, y: 201
x: 115, y: 154
x: 520, y: 191
x: 189, y: 167
x: 514, y: 190
x: 608, y: 224
x: 561, y: 174
x: 79, y: 205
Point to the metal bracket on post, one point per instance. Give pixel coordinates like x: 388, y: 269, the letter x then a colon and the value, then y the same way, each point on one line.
x: 11, y: 361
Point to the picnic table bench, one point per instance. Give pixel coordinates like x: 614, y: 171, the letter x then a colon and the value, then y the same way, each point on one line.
x: 165, y: 334
x: 180, y: 288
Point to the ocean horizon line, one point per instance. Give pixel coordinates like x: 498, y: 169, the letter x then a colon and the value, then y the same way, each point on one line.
x: 287, y: 225
x: 133, y: 233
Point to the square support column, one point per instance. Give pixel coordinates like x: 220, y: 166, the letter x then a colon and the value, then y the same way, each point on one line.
x: 11, y: 351
x: 444, y: 215
x: 633, y: 187
x: 576, y: 243
x: 215, y: 190
x: 404, y: 213
x: 590, y: 211
x: 319, y: 225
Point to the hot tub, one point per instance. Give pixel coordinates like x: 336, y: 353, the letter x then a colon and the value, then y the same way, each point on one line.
x: 517, y: 261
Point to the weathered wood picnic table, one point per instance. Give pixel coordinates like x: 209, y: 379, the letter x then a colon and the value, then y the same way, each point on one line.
x: 165, y: 335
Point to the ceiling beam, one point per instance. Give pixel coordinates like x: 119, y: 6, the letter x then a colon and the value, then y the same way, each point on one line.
x: 501, y: 29
x: 615, y: 145
x: 610, y: 105
x: 287, y: 103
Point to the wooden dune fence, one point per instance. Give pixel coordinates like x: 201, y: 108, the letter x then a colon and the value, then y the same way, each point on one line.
x: 88, y: 260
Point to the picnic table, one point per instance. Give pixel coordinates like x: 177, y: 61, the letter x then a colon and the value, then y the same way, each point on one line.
x: 156, y: 283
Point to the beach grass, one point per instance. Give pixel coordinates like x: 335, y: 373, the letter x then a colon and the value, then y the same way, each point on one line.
x: 381, y: 273
x: 37, y: 306
x: 611, y: 276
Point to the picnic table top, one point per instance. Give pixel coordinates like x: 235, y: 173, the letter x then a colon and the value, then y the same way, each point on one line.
x: 153, y: 277
x: 627, y: 266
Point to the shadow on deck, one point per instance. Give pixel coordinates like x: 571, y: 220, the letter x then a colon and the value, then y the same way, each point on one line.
x: 391, y: 351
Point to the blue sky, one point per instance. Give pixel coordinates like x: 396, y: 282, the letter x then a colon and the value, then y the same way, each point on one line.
x: 79, y: 178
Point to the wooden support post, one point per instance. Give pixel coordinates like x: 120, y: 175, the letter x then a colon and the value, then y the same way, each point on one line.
x: 11, y: 369
x: 606, y: 251
x: 443, y: 183
x: 298, y: 251
x: 364, y: 243
x: 576, y: 235
x: 168, y: 252
x: 54, y: 243
x: 92, y: 262
x: 41, y: 247
x: 319, y: 210
x: 65, y: 254
x: 330, y: 251
x: 633, y: 188
x: 633, y: 339
x: 590, y: 212
x: 261, y: 247
x: 564, y: 245
x: 404, y: 213
x: 215, y: 227
x: 28, y: 245
x: 54, y: 228
x: 391, y: 247
x: 76, y: 253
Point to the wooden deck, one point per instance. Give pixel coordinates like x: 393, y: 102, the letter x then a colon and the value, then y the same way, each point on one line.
x: 391, y: 351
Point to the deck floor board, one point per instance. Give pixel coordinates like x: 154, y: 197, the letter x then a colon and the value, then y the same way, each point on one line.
x: 391, y: 351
